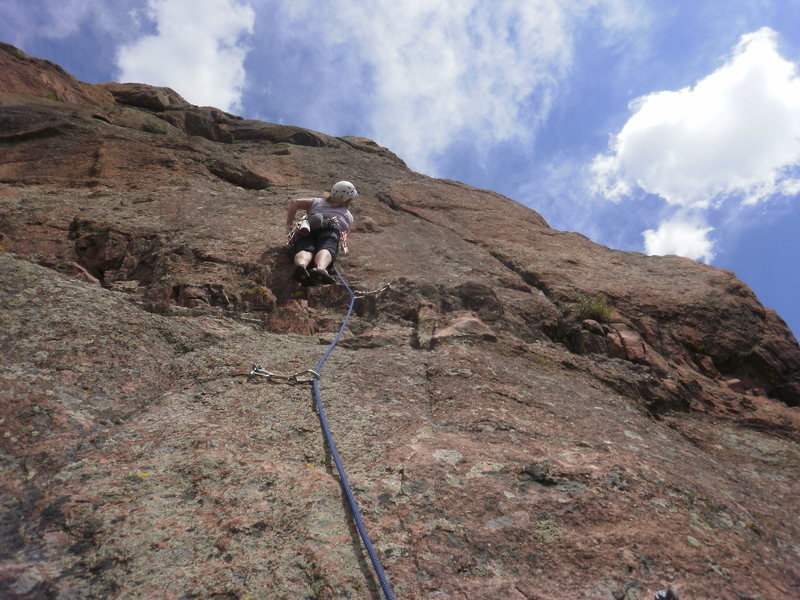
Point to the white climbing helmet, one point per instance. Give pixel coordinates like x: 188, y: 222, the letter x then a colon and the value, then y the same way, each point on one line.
x: 343, y: 191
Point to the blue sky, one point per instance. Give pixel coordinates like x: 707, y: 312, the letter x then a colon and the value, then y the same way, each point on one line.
x: 657, y: 127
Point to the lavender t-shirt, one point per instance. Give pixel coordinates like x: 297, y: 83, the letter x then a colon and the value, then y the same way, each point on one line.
x: 343, y: 215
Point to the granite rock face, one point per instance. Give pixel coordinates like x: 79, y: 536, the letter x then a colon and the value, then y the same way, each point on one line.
x: 523, y: 414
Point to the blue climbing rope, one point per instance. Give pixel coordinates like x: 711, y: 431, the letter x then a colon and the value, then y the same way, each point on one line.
x: 373, y: 556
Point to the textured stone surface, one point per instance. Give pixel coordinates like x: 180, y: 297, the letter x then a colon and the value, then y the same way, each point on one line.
x: 145, y: 96
x: 505, y: 437
x: 23, y: 74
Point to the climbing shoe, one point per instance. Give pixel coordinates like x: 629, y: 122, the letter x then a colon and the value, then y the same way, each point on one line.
x: 301, y: 274
x: 321, y: 276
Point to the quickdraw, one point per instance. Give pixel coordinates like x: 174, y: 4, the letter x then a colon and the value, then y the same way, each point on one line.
x: 358, y: 294
x: 293, y: 379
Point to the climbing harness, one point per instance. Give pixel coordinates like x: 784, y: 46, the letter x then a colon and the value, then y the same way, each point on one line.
x: 293, y: 379
x: 258, y: 370
x: 314, y: 222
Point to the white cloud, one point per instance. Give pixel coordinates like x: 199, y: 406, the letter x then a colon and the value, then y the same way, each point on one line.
x: 680, y: 235
x: 198, y: 50
x: 622, y: 15
x: 733, y: 133
x: 485, y: 72
x: 790, y: 187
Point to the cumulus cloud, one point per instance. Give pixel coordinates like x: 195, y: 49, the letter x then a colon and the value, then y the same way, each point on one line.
x: 733, y: 136
x: 485, y: 72
x: 198, y: 50
x: 680, y: 235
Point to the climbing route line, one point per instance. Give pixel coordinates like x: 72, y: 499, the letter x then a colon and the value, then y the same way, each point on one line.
x: 312, y: 376
x: 362, y: 530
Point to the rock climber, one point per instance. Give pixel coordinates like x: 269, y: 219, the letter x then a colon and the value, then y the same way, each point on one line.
x: 316, y: 238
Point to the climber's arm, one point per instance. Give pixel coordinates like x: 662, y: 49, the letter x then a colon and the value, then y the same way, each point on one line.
x: 294, y: 206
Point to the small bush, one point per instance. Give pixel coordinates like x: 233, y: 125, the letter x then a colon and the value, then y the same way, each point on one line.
x: 592, y: 306
x: 151, y: 126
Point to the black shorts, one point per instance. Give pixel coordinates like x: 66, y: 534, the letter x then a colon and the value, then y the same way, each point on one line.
x: 322, y: 239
